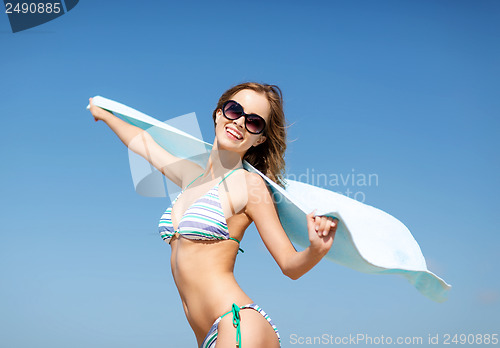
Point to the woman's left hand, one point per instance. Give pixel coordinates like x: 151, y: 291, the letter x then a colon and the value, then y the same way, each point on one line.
x: 321, y: 231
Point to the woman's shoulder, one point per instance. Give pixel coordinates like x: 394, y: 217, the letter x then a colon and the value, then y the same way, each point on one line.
x: 242, y: 177
x: 256, y: 187
x: 244, y: 181
x: 251, y: 177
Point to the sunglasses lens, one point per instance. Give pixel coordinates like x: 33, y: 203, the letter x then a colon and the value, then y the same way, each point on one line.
x: 233, y: 110
x: 255, y: 124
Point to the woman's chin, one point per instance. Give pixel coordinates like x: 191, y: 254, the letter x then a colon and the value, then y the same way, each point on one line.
x: 229, y: 145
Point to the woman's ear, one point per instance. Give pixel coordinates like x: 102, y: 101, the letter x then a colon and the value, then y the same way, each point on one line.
x: 260, y: 140
x: 218, y: 114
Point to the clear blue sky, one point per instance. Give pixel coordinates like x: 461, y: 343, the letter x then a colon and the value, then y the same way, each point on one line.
x: 407, y: 90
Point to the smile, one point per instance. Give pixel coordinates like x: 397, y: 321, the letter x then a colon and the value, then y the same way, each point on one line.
x: 233, y: 134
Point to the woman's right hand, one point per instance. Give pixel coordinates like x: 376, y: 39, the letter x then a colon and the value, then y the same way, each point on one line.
x: 321, y: 231
x: 97, y: 112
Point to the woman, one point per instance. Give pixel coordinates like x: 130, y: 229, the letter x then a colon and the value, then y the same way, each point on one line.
x: 207, y: 221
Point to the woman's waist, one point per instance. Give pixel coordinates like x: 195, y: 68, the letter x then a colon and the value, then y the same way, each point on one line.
x: 199, y: 271
x: 202, y: 279
x: 203, y: 308
x: 213, y: 302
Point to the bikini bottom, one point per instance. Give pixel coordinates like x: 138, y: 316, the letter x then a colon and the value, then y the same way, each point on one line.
x: 211, y: 338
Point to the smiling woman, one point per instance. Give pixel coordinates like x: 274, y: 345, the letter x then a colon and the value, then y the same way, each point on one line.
x: 269, y: 156
x: 207, y: 221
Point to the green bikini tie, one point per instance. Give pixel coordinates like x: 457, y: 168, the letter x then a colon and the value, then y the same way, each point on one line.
x: 236, y: 323
x: 239, y: 249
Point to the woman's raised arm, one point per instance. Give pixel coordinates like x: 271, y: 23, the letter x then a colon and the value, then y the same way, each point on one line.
x: 143, y: 144
x: 293, y: 264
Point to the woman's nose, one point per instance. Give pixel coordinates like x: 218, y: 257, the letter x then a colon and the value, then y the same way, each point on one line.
x: 240, y: 122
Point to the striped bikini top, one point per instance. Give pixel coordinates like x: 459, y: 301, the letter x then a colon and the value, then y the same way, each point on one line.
x: 203, y: 220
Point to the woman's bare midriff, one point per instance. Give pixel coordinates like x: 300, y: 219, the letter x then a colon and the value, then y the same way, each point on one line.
x: 203, y: 273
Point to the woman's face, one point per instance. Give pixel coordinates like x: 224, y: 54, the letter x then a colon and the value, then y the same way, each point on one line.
x: 252, y: 103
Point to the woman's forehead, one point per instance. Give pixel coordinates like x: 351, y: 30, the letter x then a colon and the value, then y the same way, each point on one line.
x: 253, y: 102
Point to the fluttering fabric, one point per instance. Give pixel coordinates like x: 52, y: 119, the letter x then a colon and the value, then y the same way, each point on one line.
x: 368, y: 239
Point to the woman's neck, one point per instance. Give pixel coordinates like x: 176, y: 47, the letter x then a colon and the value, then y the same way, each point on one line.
x: 222, y: 161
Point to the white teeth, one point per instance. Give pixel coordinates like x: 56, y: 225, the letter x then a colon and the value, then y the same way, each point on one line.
x: 234, y: 133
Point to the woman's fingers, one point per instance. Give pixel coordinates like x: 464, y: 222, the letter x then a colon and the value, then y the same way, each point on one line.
x: 96, y: 112
x: 334, y: 224
x: 321, y: 231
x: 310, y: 219
x: 315, y: 222
x: 324, y: 224
x: 320, y: 225
x: 328, y: 225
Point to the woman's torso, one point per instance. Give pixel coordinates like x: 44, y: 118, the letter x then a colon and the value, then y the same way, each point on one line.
x: 203, y: 269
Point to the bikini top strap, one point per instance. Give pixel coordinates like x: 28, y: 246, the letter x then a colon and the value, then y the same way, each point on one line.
x: 219, y: 181
x: 193, y: 181
x: 228, y: 175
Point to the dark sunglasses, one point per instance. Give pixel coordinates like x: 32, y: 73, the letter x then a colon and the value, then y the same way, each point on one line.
x: 253, y: 123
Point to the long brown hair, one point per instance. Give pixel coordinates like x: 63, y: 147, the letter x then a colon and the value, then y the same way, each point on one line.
x: 268, y: 157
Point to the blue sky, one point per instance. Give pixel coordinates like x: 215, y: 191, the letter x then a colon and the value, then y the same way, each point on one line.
x: 407, y: 90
